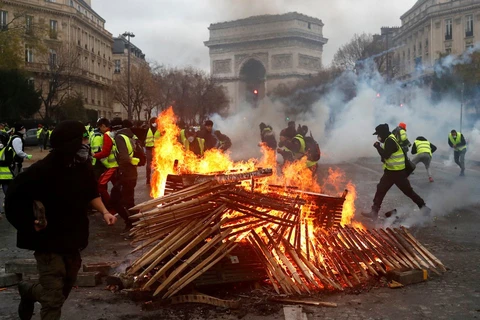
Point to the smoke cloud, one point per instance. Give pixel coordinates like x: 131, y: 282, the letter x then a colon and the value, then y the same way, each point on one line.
x: 344, y: 131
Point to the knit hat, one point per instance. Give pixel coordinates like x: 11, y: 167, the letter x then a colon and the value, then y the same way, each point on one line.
x: 68, y: 135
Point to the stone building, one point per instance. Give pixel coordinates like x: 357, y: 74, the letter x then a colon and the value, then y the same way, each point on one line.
x: 432, y: 28
x: 252, y: 56
x: 74, y: 28
x: 120, y: 60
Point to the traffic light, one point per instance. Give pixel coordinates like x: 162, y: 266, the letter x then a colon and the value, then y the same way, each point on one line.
x: 255, y: 92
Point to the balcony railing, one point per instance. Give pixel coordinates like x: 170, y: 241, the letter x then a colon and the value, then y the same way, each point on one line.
x: 448, y: 36
x: 468, y: 34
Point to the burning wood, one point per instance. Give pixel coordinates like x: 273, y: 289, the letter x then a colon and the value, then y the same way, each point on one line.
x: 189, y: 231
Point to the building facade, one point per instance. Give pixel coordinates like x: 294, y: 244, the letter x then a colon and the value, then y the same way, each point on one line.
x: 74, y: 32
x: 431, y: 29
x: 252, y: 56
x: 120, y: 61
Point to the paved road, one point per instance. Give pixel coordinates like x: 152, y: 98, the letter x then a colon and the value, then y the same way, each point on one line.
x: 452, y: 236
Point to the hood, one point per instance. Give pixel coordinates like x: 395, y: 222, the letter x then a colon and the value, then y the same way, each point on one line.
x: 125, y: 131
x: 420, y: 138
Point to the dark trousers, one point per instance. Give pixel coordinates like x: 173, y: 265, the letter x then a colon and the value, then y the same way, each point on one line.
x: 57, y: 275
x: 398, y: 178
x: 122, y: 197
x: 148, y: 169
x: 459, y: 157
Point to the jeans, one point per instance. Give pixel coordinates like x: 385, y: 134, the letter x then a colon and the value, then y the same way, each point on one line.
x: 148, y: 169
x: 398, y: 178
x: 424, y: 158
x: 57, y: 275
x: 459, y: 157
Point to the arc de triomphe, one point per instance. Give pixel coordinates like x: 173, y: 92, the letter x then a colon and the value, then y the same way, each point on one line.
x: 252, y: 56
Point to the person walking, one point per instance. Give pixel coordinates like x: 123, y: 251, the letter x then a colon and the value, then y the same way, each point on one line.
x: 394, y: 173
x: 16, y: 142
x: 153, y: 134
x: 206, y: 134
x: 58, y: 233
x: 423, y: 149
x: 106, y: 158
x: 122, y: 197
x: 456, y: 140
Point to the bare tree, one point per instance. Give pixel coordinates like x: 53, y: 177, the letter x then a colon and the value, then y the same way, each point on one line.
x: 60, y: 71
x: 141, y: 88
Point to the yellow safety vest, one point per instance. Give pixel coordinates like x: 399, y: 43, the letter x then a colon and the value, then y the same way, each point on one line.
x: 39, y: 132
x: 423, y: 147
x: 111, y: 161
x: 5, y: 172
x: 186, y: 143
x: 134, y: 161
x: 96, y: 144
x: 151, y: 138
x: 403, y: 135
x: 457, y: 141
x: 396, y: 162
x: 301, y: 152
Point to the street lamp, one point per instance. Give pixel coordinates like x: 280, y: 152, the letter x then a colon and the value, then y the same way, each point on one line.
x: 129, y: 35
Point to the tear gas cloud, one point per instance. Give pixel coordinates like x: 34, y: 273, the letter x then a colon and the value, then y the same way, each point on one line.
x: 344, y: 129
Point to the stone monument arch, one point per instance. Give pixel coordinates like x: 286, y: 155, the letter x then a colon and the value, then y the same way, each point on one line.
x: 252, y: 56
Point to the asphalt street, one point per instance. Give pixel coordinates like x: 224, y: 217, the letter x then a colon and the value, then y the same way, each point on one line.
x: 451, y: 234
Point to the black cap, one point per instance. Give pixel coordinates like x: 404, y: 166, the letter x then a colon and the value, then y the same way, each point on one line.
x: 262, y: 126
x: 382, y: 130
x: 18, y: 127
x: 453, y: 131
x: 116, y: 123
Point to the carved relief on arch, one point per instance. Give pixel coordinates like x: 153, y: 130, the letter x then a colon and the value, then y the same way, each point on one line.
x: 241, y: 59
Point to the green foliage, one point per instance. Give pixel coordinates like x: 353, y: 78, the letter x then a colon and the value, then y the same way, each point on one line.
x: 72, y: 108
x: 18, y: 98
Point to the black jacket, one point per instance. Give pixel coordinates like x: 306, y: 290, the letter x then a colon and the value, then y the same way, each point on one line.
x: 268, y: 137
x: 211, y: 141
x: 414, y: 148
x: 126, y: 169
x: 65, y: 192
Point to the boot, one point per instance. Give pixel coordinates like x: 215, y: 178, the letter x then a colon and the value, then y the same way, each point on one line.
x: 425, y: 211
x: 373, y: 214
x: 462, y: 173
x: 26, y: 306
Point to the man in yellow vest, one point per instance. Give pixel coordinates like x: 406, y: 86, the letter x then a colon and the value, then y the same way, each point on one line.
x: 423, y: 150
x: 457, y: 141
x: 287, y: 154
x: 189, y: 139
x: 393, y: 159
x: 106, y: 155
x: 153, y: 134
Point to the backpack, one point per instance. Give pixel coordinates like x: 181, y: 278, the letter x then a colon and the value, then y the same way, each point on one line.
x: 312, y: 149
x: 7, y: 153
x: 138, y: 152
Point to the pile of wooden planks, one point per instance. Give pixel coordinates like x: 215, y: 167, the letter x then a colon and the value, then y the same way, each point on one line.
x: 183, y: 234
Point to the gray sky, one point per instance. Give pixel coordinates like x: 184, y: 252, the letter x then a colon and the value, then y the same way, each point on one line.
x: 172, y: 32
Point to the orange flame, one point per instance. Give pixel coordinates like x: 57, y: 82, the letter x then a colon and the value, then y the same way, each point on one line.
x: 168, y: 150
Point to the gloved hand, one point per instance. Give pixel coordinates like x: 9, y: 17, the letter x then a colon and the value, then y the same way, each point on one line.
x: 29, y: 156
x: 376, y: 144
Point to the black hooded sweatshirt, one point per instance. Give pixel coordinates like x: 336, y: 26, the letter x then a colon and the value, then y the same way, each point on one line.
x: 414, y: 147
x: 127, y: 170
x: 66, y: 192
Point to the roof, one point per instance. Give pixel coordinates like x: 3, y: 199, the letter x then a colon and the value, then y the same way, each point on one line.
x: 415, y: 6
x: 266, y: 18
x: 83, y: 3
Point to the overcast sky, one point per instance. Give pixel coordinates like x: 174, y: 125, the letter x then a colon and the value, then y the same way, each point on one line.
x: 172, y: 32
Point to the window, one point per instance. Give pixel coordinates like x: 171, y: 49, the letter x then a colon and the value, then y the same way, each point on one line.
x: 28, y: 54
x: 53, y: 29
x: 28, y: 24
x: 469, y: 26
x: 117, y: 66
x: 448, y: 29
x: 53, y: 58
x: 72, y: 4
x: 3, y: 20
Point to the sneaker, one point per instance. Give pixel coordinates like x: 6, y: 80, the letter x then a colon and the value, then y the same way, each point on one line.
x: 462, y: 173
x: 425, y: 211
x: 430, y: 179
x: 373, y: 214
x: 26, y: 306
